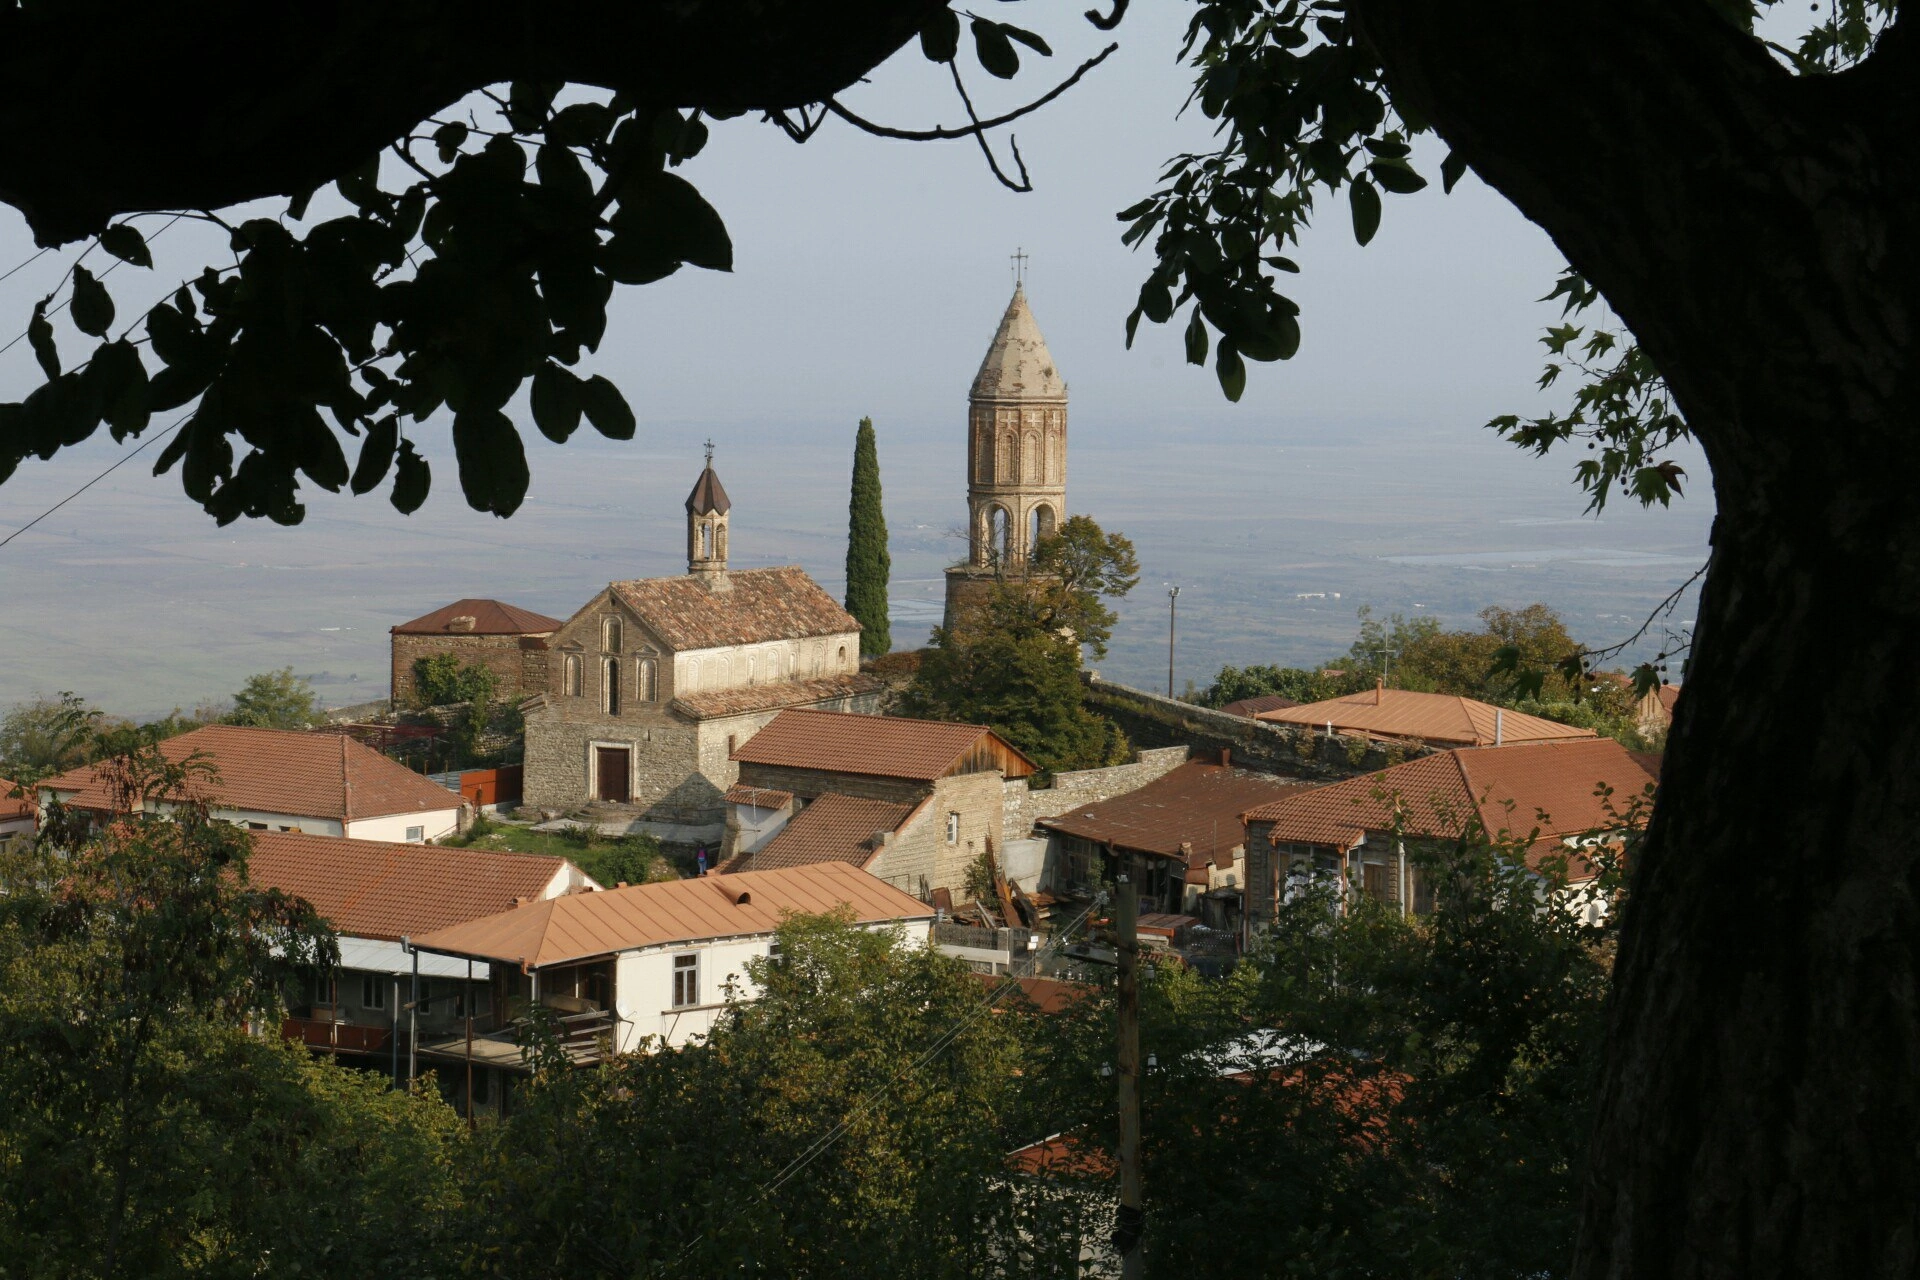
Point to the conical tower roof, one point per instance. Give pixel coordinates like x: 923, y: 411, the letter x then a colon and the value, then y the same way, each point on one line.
x: 708, y: 496
x: 1018, y: 365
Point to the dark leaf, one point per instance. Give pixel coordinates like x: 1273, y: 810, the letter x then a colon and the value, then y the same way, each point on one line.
x: 940, y: 37
x: 92, y: 305
x: 119, y: 384
x: 1396, y: 176
x: 126, y: 244
x: 1232, y: 371
x: 449, y: 138
x: 493, y: 461
x: 1452, y: 169
x: 1028, y: 39
x: 606, y: 408
x: 1197, y: 340
x: 297, y: 204
x: 40, y: 338
x: 1365, y: 199
x: 411, y: 479
x: 995, y: 51
x: 376, y: 454
x: 556, y: 402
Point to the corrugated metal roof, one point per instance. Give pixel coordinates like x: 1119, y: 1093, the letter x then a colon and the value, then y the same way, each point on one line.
x: 834, y: 828
x: 1511, y: 790
x: 585, y: 925
x: 1196, y: 804
x: 1439, y: 718
x: 375, y: 889
x: 308, y: 775
x: 876, y: 746
x: 490, y: 618
x: 688, y: 612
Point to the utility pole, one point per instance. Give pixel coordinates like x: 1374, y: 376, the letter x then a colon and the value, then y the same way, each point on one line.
x: 1132, y: 1220
x: 1173, y: 597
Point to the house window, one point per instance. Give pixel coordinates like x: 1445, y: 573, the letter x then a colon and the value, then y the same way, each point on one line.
x: 571, y: 678
x: 416, y: 835
x: 256, y: 826
x: 649, y: 681
x: 610, y: 687
x: 610, y: 635
x: 373, y: 991
x: 323, y: 988
x: 425, y: 1003
x: 686, y: 981
x: 843, y: 655
x: 953, y: 828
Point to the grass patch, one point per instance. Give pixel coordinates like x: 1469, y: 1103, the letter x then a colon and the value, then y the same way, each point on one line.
x: 610, y: 860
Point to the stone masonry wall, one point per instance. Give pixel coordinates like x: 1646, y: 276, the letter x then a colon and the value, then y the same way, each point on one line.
x: 811, y: 782
x: 1151, y: 720
x: 518, y: 663
x: 1025, y: 805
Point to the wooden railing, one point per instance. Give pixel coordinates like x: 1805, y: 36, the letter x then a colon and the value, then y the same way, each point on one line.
x: 335, y: 1037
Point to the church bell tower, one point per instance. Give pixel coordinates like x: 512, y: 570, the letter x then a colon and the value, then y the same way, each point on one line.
x: 707, y: 508
x: 1016, y: 457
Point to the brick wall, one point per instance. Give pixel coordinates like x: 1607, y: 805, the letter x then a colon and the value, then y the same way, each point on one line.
x: 518, y: 663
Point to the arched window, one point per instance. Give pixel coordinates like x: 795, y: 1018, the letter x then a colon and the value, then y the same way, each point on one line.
x: 610, y: 635
x: 706, y: 541
x: 1001, y: 535
x: 648, y: 685
x: 1042, y: 524
x: 843, y: 655
x: 610, y: 686
x: 1030, y: 460
x: 752, y: 669
x: 570, y: 675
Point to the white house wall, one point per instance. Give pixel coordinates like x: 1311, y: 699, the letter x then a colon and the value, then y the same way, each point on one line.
x: 434, y: 822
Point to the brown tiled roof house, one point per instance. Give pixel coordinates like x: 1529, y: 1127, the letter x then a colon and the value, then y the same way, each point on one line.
x: 1437, y: 719
x: 287, y: 780
x: 1550, y: 794
x: 914, y: 802
x: 506, y: 639
x: 654, y: 681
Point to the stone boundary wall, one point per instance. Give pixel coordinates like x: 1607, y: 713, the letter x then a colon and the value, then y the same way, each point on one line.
x: 1025, y: 805
x: 1151, y: 720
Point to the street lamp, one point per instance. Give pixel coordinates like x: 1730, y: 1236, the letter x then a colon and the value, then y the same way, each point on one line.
x: 1173, y: 596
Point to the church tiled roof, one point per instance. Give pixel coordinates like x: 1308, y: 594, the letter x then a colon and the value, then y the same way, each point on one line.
x: 755, y: 605
x: 1018, y: 364
x: 489, y: 618
x: 709, y: 495
x: 718, y: 703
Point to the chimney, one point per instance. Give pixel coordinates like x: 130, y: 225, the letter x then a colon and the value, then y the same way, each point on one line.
x: 1499, y: 726
x: 1379, y: 687
x: 1226, y: 757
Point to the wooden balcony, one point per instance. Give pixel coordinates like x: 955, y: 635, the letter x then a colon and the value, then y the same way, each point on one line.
x: 336, y: 1037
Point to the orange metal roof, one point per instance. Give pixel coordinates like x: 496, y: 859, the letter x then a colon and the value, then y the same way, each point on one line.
x: 1196, y: 804
x: 1510, y: 789
x: 585, y: 925
x: 1251, y: 707
x: 374, y: 889
x: 11, y: 809
x: 309, y: 775
x: 876, y: 746
x: 490, y: 618
x: 1439, y: 718
x: 834, y: 828
x: 758, y: 604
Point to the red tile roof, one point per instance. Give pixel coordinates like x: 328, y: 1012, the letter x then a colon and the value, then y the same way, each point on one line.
x: 12, y: 810
x: 490, y: 618
x: 758, y: 797
x: 834, y: 828
x: 585, y: 925
x: 1507, y: 788
x: 756, y: 605
x: 309, y: 775
x: 1438, y: 718
x: 1196, y: 804
x: 373, y: 889
x: 1251, y: 707
x: 1042, y: 995
x: 880, y: 746
x: 718, y: 704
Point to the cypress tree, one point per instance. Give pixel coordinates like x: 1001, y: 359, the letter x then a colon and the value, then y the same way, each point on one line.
x: 868, y: 564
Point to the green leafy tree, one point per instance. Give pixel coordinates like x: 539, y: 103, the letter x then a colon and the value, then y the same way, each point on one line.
x: 148, y: 1131
x: 1083, y: 567
x: 868, y: 561
x: 275, y: 700
x: 1731, y: 276
x: 441, y: 679
x: 1257, y: 680
x: 1011, y: 665
x: 852, y: 1120
x: 47, y: 736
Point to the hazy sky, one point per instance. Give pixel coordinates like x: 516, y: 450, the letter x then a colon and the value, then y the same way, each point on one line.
x: 869, y: 275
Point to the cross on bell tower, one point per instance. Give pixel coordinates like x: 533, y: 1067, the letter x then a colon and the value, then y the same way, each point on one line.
x: 1019, y: 259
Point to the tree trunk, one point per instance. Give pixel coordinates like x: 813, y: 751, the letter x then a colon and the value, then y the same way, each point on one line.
x: 1760, y: 1102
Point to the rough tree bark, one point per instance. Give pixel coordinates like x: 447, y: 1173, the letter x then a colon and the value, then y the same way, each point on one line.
x: 1760, y: 1111
x: 119, y: 107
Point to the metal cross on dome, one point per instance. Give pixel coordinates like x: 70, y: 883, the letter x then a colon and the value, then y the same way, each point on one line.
x: 709, y: 451
x: 1019, y: 259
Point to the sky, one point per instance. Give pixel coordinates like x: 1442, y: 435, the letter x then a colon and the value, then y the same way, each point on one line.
x: 869, y: 276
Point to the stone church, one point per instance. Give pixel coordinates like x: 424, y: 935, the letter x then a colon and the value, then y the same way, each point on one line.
x: 1016, y: 458
x: 653, y: 682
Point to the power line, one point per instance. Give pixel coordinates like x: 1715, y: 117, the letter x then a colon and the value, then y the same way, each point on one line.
x: 171, y: 428
x: 111, y: 268
x: 29, y: 262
